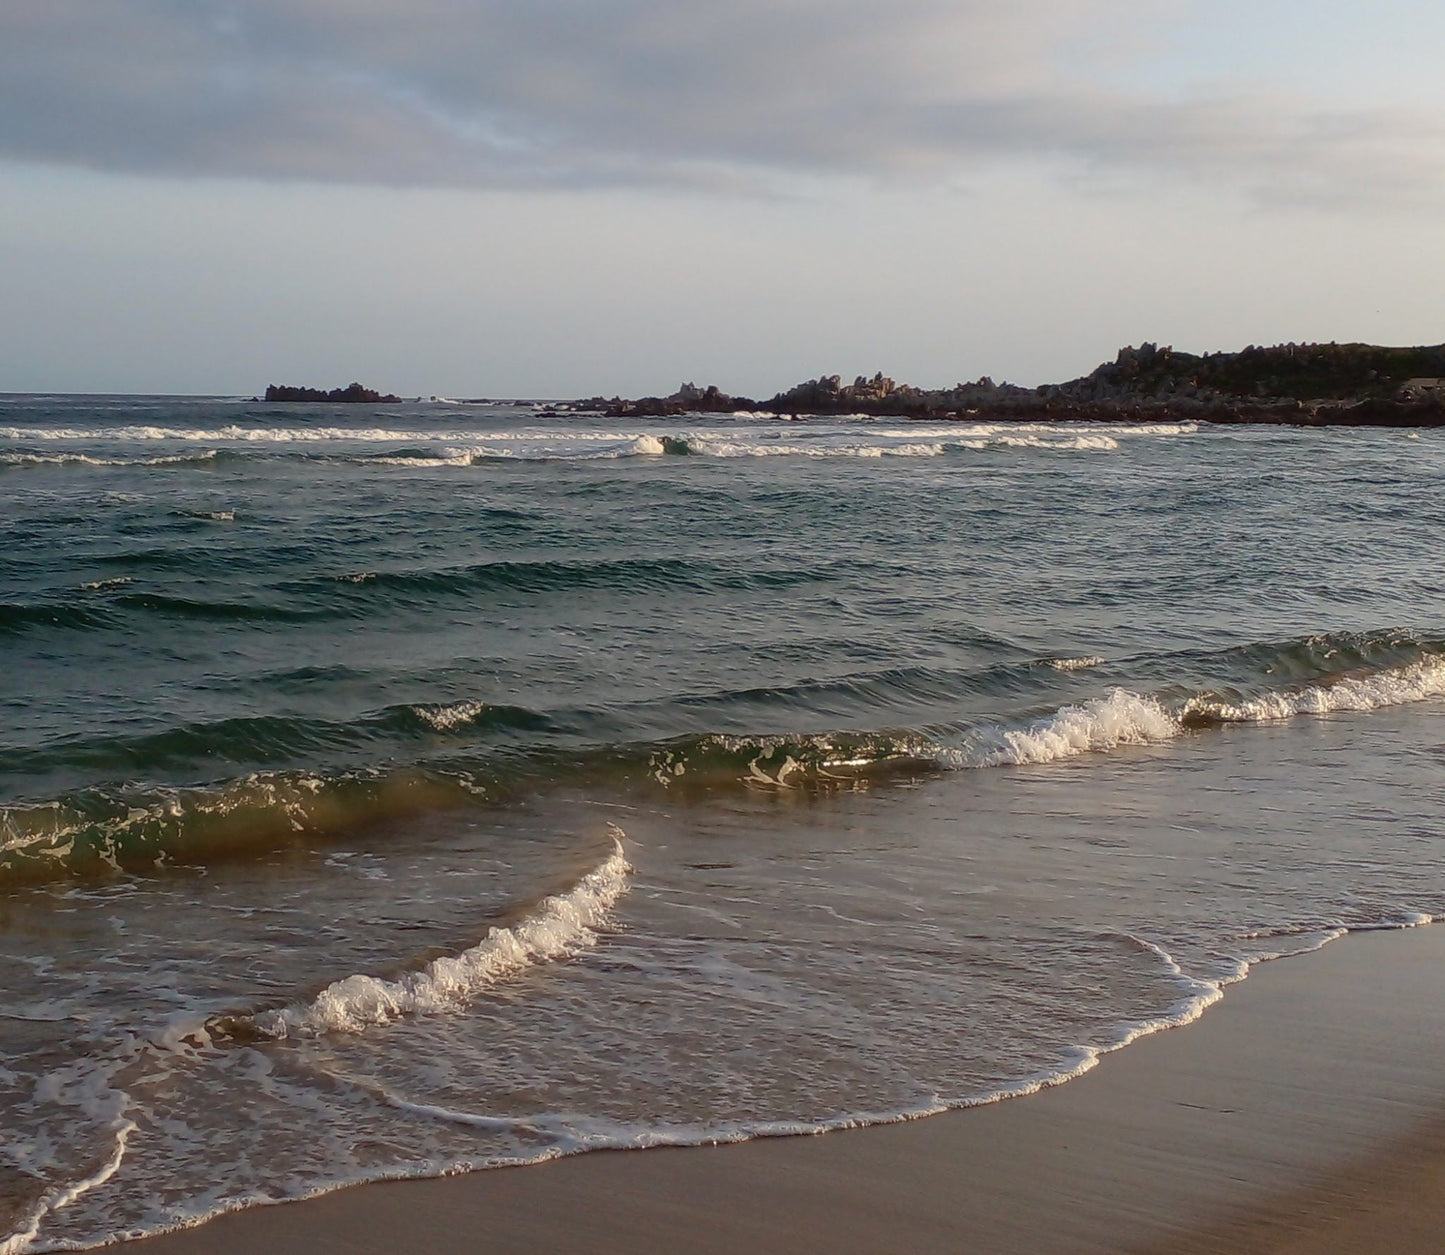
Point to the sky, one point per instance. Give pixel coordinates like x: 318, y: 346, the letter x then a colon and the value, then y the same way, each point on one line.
x: 556, y: 198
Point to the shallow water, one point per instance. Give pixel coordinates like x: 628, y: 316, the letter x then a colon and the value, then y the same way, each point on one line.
x: 392, y: 791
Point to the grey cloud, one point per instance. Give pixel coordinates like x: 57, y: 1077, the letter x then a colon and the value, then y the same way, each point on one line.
x: 578, y: 92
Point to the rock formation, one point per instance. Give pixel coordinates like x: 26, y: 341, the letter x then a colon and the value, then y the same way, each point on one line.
x: 1308, y: 384
x: 352, y: 394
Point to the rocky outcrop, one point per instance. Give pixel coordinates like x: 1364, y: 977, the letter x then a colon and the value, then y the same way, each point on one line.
x: 883, y: 396
x: 688, y: 399
x: 352, y: 394
x: 1307, y: 384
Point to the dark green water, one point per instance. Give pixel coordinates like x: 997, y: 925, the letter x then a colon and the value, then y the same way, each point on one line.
x: 816, y: 772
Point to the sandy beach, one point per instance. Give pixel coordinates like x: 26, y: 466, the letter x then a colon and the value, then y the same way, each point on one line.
x: 1302, y: 1114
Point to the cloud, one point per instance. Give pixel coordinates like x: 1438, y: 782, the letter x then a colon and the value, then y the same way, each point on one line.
x: 656, y: 92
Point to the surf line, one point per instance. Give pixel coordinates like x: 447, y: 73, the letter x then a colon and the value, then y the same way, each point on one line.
x: 561, y: 926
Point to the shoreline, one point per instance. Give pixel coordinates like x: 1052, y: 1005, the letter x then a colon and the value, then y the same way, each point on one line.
x: 1302, y: 1107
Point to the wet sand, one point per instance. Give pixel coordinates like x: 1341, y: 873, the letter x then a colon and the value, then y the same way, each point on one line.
x: 1303, y: 1114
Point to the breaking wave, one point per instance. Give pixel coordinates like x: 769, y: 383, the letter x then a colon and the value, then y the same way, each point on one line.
x: 1099, y: 724
x: 133, y: 829
x: 559, y: 927
x: 446, y: 717
x: 467, y: 750
x: 1126, y: 718
x: 420, y: 450
x: 81, y: 459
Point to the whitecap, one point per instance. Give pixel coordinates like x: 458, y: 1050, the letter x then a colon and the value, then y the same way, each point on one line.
x: 453, y: 715
x: 559, y: 927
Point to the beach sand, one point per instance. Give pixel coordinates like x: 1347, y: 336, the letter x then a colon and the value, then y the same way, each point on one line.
x: 1303, y: 1114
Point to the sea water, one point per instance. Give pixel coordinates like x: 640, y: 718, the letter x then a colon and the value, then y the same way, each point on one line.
x: 407, y: 789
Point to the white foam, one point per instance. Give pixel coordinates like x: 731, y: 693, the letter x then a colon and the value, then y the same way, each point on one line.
x: 559, y: 927
x: 192, y: 435
x: 450, y: 457
x: 1075, y: 664
x: 719, y: 447
x: 857, y: 436
x: 1416, y: 682
x: 1091, y: 441
x: 986, y: 431
x: 86, y: 1088
x: 1102, y: 723
x: 62, y: 1196
x: 1125, y: 718
x: 571, y: 1133
x: 533, y: 447
x: 311, y: 435
x: 454, y: 715
x: 81, y: 459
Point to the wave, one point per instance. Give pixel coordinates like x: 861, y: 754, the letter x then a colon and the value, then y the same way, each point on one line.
x: 211, y: 516
x: 720, y: 447
x: 1075, y: 664
x: 1419, y: 681
x: 132, y: 829
x: 615, y: 445
x: 446, y: 717
x: 559, y: 927
x: 865, y: 693
x: 419, y: 449
x: 266, y: 740
x: 359, y: 594
x: 1094, y: 441
x: 81, y: 459
x: 836, y: 759
x: 980, y: 431
x: 1120, y: 717
x: 928, y: 440
x: 465, y: 750
x: 637, y: 575
x: 236, y: 434
x: 218, y: 611
x: 140, y: 433
x: 717, y: 445
x: 478, y: 733
x: 1127, y: 718
x: 1100, y: 724
x: 481, y: 451
x: 20, y: 617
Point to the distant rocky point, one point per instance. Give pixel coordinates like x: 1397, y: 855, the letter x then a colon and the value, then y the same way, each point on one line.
x: 1303, y: 384
x: 352, y: 394
x: 689, y: 399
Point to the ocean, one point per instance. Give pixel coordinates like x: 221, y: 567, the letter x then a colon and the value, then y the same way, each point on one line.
x: 411, y: 789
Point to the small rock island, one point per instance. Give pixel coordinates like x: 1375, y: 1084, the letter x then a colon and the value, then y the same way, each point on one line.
x: 352, y: 394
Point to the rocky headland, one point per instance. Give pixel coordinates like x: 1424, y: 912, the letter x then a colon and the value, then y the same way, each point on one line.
x: 1301, y: 384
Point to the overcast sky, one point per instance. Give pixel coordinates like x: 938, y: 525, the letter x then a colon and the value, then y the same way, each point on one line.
x: 559, y: 197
